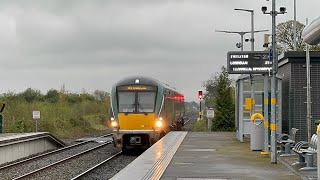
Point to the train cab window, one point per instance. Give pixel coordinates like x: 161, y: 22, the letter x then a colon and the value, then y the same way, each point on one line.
x: 126, y: 101
x: 146, y: 101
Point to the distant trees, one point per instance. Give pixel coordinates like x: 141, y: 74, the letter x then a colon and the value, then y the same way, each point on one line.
x: 285, y: 37
x: 30, y: 95
x: 52, y: 96
x: 100, y: 95
x: 220, y: 95
x: 63, y: 114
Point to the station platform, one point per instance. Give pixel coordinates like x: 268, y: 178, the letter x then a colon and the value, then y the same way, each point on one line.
x: 204, y: 156
x: 15, y: 146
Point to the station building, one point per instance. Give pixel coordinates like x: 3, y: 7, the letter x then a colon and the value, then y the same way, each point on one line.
x: 292, y: 68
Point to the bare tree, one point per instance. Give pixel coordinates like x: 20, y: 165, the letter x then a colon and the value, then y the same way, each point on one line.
x: 285, y: 37
x: 100, y: 95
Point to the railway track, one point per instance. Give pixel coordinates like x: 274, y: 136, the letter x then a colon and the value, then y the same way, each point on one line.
x: 33, y: 173
x: 95, y: 167
x: 49, y: 153
x: 190, y: 120
x: 20, y: 168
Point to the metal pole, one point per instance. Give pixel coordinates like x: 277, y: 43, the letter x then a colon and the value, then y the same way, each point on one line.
x: 200, y: 110
x: 295, y: 26
x: 266, y: 114
x: 251, y: 76
x: 36, y: 125
x: 318, y: 151
x: 241, y: 41
x: 308, y: 92
x: 252, y: 95
x: 273, y: 125
x: 209, y: 124
x: 252, y: 31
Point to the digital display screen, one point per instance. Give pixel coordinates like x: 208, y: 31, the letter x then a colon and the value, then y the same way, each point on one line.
x: 247, y: 62
x: 137, y: 88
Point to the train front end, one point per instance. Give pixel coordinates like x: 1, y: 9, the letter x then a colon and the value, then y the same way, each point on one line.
x: 135, y: 107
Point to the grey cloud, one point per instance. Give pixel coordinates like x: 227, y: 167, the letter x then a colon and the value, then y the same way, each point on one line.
x: 92, y: 44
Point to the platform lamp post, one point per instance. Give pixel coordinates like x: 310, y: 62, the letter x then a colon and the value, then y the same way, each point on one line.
x: 241, y: 33
x: 295, y: 25
x: 252, y: 25
x: 273, y: 125
x: 252, y: 49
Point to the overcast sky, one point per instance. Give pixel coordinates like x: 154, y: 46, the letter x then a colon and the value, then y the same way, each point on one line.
x: 92, y: 44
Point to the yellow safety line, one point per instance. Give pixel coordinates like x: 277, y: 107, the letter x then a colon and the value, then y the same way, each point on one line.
x: 266, y: 101
x: 273, y: 127
x: 265, y: 153
x: 266, y: 124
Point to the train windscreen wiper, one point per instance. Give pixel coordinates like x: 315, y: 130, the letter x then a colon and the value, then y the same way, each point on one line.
x: 132, y: 106
x: 141, y: 108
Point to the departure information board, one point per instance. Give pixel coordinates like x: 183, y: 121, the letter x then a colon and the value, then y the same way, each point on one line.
x: 248, y: 62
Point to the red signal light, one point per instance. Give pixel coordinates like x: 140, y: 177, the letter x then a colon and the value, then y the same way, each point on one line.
x: 200, y: 95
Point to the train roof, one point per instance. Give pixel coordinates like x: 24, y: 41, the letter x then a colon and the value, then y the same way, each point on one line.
x: 311, y: 33
x: 145, y: 81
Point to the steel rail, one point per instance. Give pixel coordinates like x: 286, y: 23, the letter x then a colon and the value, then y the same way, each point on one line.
x: 48, y: 153
x: 63, y: 160
x: 96, y: 166
x: 190, y: 118
x: 186, y: 121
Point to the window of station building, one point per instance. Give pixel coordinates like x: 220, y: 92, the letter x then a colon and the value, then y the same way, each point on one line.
x: 258, y: 109
x: 246, y: 114
x: 259, y: 85
x: 245, y: 95
x: 259, y: 98
x: 246, y: 85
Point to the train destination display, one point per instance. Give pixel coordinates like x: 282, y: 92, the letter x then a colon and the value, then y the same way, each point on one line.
x: 247, y: 62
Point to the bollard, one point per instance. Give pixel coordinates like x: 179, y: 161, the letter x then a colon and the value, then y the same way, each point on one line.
x: 318, y: 149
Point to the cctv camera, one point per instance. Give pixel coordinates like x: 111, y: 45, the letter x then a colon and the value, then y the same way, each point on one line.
x: 239, y: 45
x: 283, y: 9
x: 264, y: 9
x: 246, y: 40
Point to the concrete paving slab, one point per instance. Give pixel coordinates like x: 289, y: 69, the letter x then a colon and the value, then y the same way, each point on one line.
x: 219, y: 155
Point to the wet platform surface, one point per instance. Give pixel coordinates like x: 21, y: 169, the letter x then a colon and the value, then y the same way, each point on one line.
x: 219, y: 155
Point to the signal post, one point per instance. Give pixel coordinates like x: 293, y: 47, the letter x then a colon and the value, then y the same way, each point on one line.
x: 200, y: 96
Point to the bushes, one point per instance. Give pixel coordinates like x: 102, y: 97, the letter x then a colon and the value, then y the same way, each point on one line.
x: 200, y: 126
x: 59, y: 114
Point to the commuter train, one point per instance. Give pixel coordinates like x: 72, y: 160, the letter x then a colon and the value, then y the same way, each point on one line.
x: 143, y: 110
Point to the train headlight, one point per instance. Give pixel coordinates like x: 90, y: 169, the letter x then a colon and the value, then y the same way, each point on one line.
x: 114, y: 124
x: 159, y: 124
